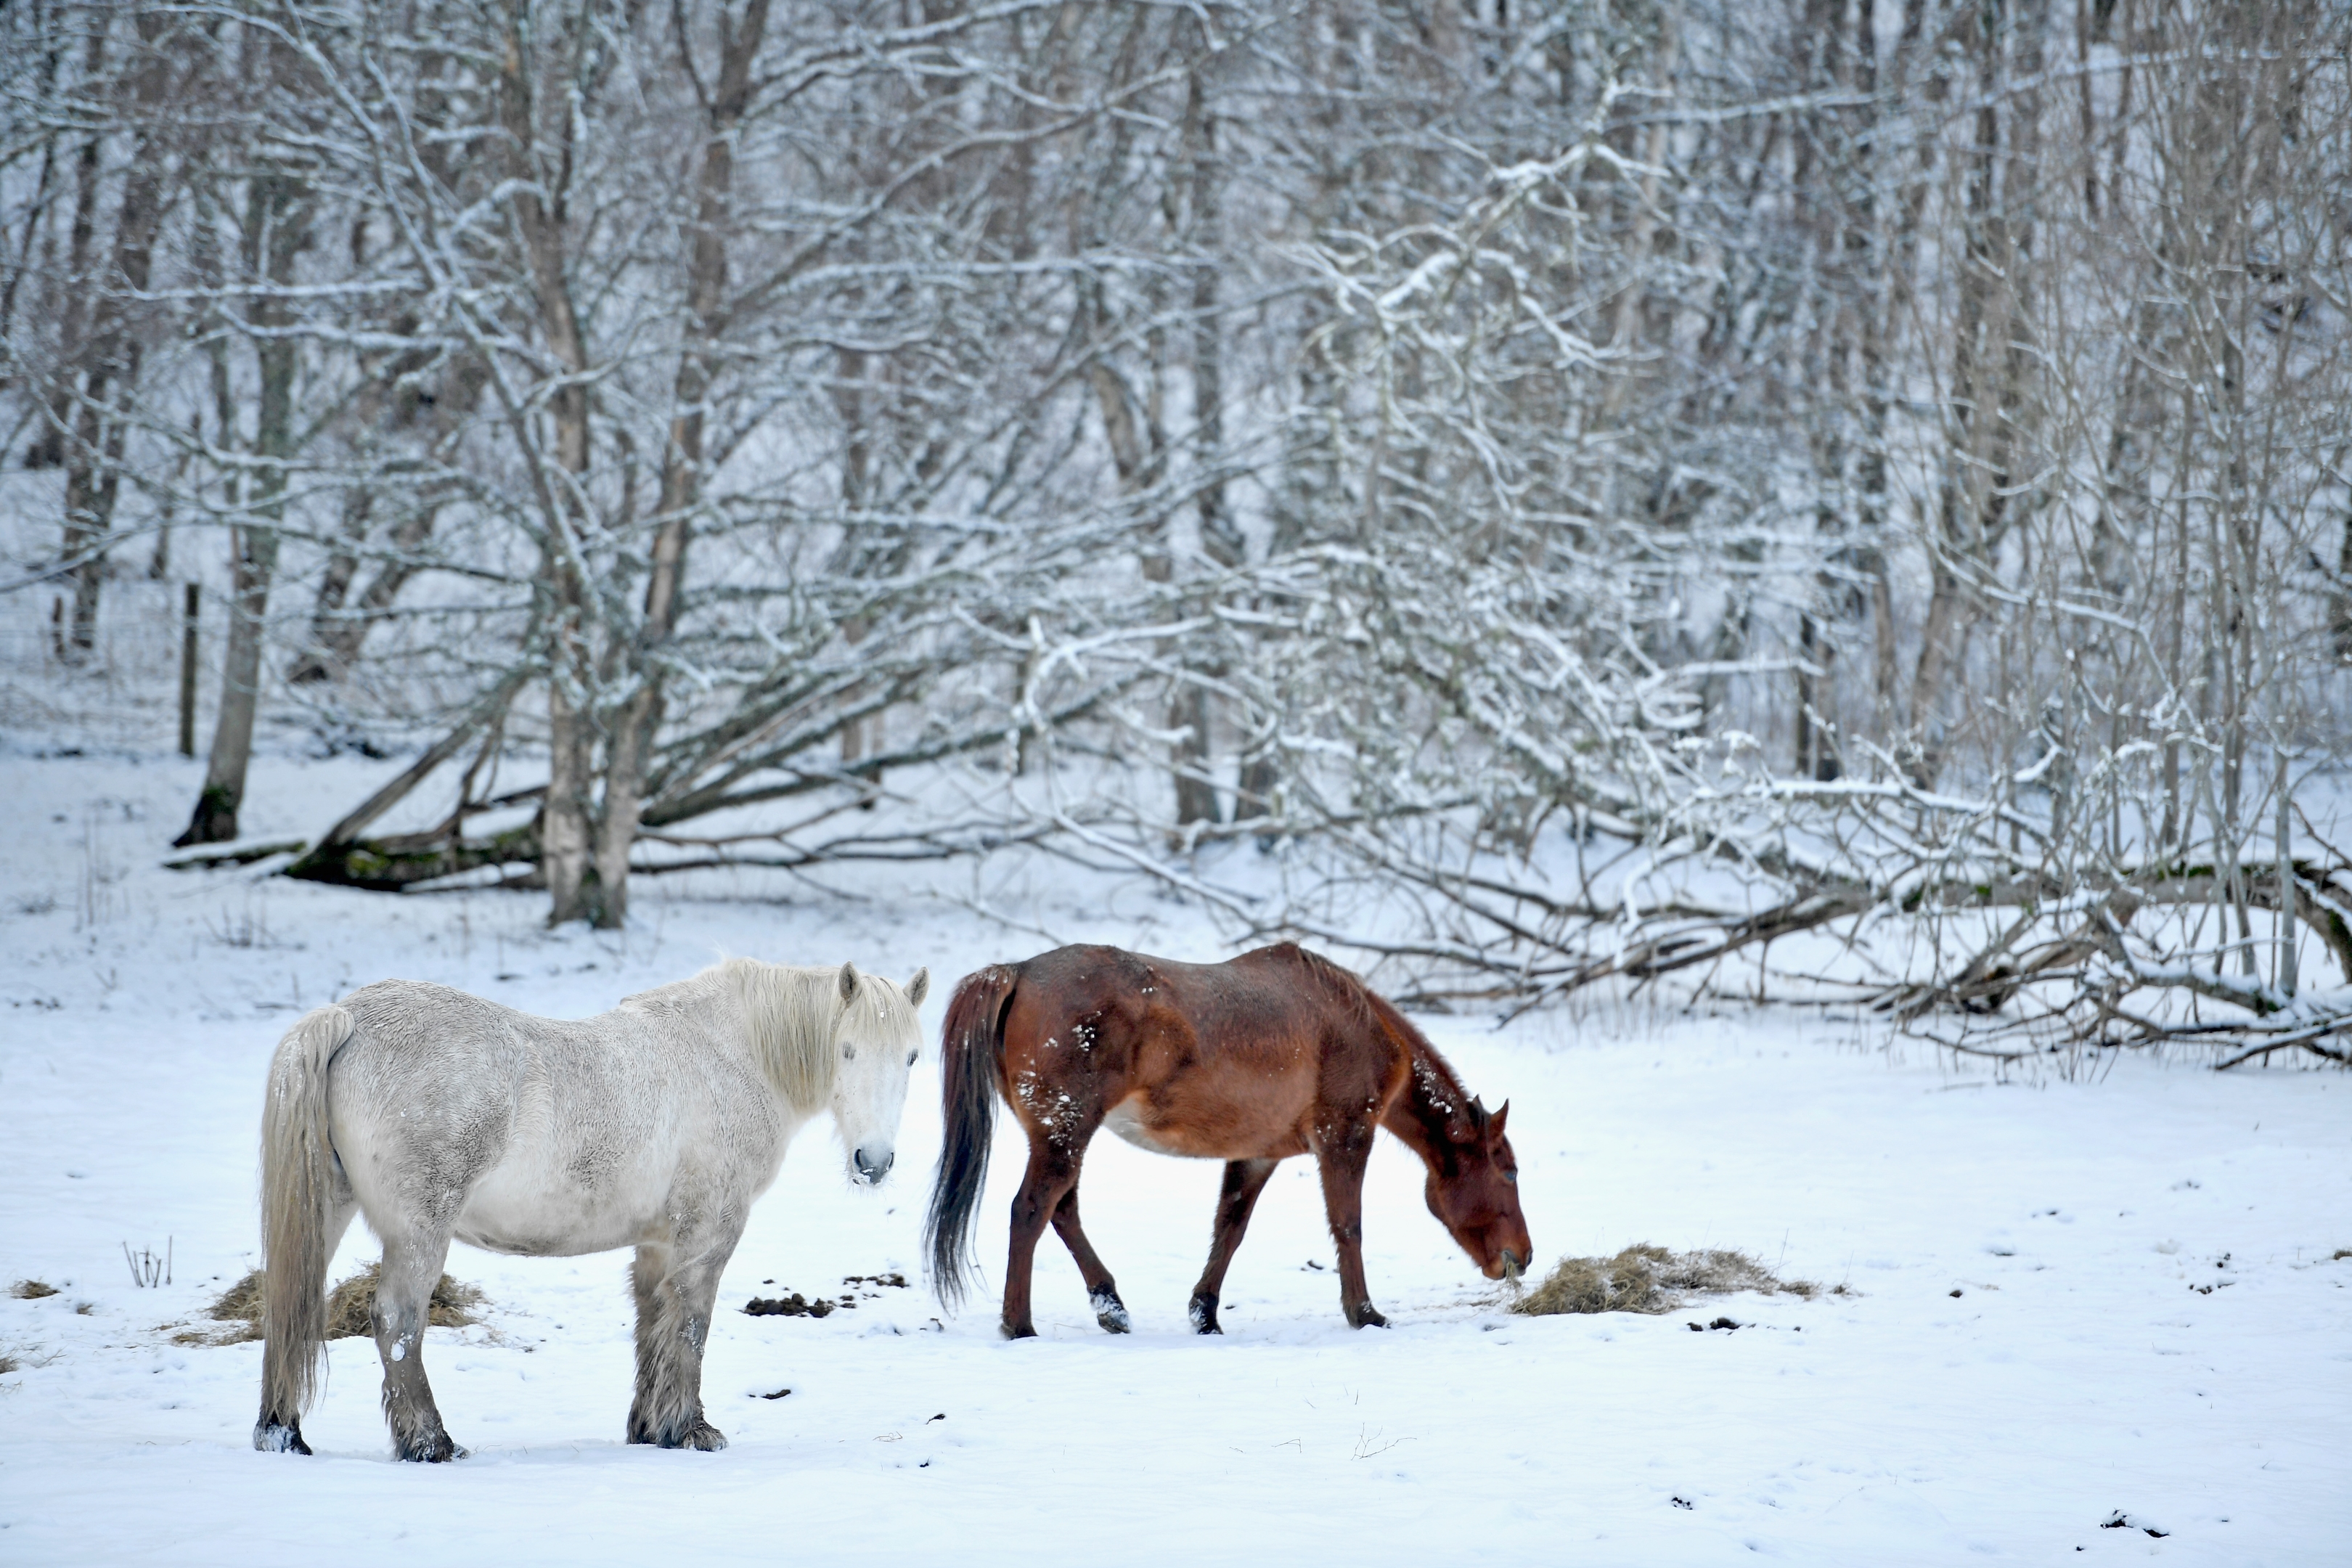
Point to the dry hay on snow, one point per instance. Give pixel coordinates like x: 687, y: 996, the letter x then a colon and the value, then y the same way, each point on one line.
x: 1647, y: 1279
x: 454, y: 1306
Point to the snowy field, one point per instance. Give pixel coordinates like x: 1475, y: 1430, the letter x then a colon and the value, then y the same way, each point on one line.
x: 2066, y: 1299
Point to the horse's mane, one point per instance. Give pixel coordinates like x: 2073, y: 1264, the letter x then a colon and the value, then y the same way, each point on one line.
x: 1438, y: 1088
x: 792, y: 1011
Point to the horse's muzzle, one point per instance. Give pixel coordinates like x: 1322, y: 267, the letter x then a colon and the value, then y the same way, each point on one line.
x: 871, y: 1167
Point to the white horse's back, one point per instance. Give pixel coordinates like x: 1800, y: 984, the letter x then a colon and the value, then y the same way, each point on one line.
x: 553, y: 1137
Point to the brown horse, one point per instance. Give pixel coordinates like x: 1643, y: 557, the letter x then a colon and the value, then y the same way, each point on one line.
x: 1279, y: 1052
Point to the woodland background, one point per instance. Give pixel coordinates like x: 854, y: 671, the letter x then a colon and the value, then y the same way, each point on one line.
x: 1808, y: 498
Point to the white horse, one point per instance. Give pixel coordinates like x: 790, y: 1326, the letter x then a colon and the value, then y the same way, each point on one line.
x: 440, y: 1115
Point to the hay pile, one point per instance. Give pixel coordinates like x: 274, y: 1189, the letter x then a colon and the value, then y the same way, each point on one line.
x: 1646, y: 1278
x: 454, y: 1306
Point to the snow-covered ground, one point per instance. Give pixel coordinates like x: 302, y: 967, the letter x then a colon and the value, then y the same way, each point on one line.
x: 2066, y: 1298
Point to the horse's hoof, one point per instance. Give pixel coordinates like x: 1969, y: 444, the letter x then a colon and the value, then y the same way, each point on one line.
x: 1364, y: 1317
x: 436, y: 1449
x: 1018, y: 1331
x: 1109, y: 1312
x: 1203, y: 1314
x: 278, y: 1437
x: 702, y: 1437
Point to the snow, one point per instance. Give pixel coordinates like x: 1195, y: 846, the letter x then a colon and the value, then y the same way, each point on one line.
x: 2149, y: 1321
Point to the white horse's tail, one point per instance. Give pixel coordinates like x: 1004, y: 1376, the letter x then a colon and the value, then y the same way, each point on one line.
x: 298, y: 1196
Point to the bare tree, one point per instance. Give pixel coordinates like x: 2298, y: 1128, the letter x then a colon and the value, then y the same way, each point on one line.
x: 1607, y: 492
x: 89, y: 410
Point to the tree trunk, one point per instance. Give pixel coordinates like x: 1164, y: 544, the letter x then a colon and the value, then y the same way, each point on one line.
x: 94, y: 459
x: 540, y: 211
x: 48, y: 450
x: 2339, y: 602
x: 854, y: 409
x: 1825, y: 166
x: 640, y: 712
x: 46, y: 81
x: 327, y: 616
x: 1992, y: 368
x: 337, y: 634
x: 278, y: 225
x: 1195, y: 709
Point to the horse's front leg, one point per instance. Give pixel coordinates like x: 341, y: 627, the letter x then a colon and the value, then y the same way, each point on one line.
x: 403, y: 1300
x: 1244, y: 1180
x: 676, y: 1292
x: 1341, y: 1159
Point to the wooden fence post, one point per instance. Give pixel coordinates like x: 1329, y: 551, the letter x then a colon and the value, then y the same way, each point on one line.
x: 192, y: 605
x: 2284, y: 972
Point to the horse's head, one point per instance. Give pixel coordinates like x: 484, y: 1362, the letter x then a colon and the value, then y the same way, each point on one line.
x: 1473, y: 1191
x: 879, y: 1038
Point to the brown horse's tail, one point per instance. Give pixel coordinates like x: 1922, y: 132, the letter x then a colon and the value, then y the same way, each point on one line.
x: 971, y: 1044
x: 298, y: 1197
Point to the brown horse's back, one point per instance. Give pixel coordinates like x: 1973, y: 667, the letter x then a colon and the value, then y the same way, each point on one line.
x: 1223, y: 1061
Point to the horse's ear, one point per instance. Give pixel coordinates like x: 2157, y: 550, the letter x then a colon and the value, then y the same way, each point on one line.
x: 1494, y: 1123
x: 1477, y: 1113
x: 848, y: 981
x: 918, y: 987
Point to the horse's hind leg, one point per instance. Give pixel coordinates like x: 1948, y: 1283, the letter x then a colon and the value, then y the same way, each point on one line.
x: 1244, y: 1180
x: 1053, y: 1172
x: 404, y: 1299
x: 279, y: 1431
x: 1102, y: 1291
x: 675, y: 1300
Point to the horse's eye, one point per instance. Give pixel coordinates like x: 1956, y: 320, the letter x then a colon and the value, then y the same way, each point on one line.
x: 912, y: 1055
x: 1512, y: 1177
x: 848, y: 1052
